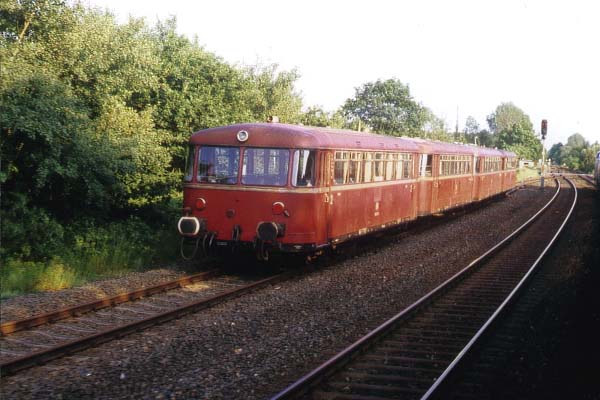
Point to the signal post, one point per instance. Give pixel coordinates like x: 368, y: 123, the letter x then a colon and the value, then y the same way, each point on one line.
x: 544, y: 131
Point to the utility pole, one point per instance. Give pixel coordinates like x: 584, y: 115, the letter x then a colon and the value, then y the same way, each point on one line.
x: 544, y: 132
x: 456, y: 137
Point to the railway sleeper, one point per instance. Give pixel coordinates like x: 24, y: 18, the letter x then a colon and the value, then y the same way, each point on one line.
x: 384, y: 378
x: 370, y: 390
x: 422, y: 372
x: 424, y: 346
x: 448, y: 328
x: 405, y: 361
x: 399, y: 351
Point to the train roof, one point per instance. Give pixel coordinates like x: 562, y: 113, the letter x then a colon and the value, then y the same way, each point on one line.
x: 298, y: 136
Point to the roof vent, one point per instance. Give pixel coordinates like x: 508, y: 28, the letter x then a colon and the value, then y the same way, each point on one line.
x: 272, y: 119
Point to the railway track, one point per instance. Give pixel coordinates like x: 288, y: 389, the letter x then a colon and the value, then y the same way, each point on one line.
x: 40, y: 339
x: 74, y: 311
x: 416, y: 353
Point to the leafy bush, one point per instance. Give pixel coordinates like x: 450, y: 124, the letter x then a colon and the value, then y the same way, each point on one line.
x: 90, y: 252
x: 28, y: 232
x: 107, y: 250
x: 29, y: 276
x: 95, y: 117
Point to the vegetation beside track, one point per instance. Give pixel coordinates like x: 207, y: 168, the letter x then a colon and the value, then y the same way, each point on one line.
x: 95, y: 118
x: 527, y: 173
x: 90, y: 252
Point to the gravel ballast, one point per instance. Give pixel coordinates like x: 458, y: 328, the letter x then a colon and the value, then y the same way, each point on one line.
x: 25, y: 306
x: 254, y: 346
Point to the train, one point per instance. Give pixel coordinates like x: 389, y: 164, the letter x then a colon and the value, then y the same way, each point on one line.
x: 271, y: 187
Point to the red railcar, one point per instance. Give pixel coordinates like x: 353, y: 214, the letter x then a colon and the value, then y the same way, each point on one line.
x: 300, y: 189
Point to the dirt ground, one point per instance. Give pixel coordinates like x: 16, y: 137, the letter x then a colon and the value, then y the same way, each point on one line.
x: 562, y: 359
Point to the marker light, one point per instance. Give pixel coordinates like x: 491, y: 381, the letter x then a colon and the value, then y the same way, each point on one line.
x: 242, y: 136
x: 200, y: 204
x: 278, y: 207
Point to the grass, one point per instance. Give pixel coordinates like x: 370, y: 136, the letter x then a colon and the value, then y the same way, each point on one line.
x: 98, y: 252
x: 527, y: 173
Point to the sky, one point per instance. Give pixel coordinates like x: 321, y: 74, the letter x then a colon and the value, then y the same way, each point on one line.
x: 459, y: 58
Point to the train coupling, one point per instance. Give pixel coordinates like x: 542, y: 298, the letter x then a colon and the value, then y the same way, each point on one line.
x: 270, y: 231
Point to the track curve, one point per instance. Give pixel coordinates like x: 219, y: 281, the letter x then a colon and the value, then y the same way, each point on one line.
x: 411, y: 354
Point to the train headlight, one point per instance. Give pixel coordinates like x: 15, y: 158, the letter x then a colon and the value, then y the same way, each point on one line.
x: 278, y: 208
x: 242, y: 136
x: 191, y: 226
x: 200, y: 204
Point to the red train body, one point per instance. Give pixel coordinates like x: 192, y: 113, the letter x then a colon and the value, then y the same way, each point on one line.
x: 301, y: 189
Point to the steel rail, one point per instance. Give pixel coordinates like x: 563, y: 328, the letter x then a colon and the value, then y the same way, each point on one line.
x: 77, y: 310
x: 586, y: 178
x: 43, y: 356
x: 435, y: 389
x: 328, y: 368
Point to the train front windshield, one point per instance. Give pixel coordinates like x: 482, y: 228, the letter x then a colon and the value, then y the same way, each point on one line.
x: 260, y: 166
x: 263, y: 166
x: 218, y: 165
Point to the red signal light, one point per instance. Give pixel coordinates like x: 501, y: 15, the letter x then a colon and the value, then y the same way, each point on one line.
x: 544, y: 128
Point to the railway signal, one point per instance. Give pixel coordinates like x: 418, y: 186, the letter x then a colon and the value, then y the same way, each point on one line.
x: 544, y: 132
x: 544, y: 128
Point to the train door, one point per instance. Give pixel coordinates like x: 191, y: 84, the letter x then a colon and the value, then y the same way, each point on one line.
x: 425, y: 184
x: 475, y: 179
x: 503, y: 177
x: 414, y: 187
x: 327, y: 171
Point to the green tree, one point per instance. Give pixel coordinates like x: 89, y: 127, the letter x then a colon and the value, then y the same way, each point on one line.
x: 474, y: 134
x: 196, y: 89
x: 53, y: 171
x: 140, y: 151
x: 95, y: 116
x: 386, y: 107
x: 589, y: 158
x: 27, y: 20
x: 471, y: 126
x: 577, y: 154
x: 273, y: 94
x: 46, y: 148
x: 554, y: 154
x: 434, y: 127
x: 316, y: 116
x: 513, y: 131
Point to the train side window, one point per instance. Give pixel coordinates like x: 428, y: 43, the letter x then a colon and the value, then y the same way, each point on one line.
x: 425, y: 167
x: 367, y: 167
x: 303, y: 172
x: 379, y: 170
x: 400, y: 167
x: 340, y: 169
x: 189, y: 164
x: 354, y: 168
x: 407, y: 167
x: 390, y: 166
